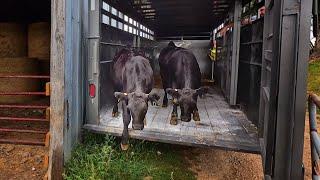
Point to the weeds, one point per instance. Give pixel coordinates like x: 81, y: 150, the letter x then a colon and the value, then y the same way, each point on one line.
x: 100, y: 157
x: 314, y: 77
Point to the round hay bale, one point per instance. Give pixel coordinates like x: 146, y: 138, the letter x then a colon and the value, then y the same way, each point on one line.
x: 18, y: 66
x: 13, y: 40
x: 39, y: 40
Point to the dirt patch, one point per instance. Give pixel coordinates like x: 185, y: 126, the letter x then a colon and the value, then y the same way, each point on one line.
x: 22, y: 162
x: 217, y: 164
x: 307, y: 151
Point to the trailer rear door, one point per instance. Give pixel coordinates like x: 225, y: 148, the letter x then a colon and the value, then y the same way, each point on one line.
x: 283, y: 87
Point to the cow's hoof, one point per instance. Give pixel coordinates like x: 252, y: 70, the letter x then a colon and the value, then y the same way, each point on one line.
x: 196, y: 116
x: 124, y: 147
x: 115, y: 114
x: 174, y: 121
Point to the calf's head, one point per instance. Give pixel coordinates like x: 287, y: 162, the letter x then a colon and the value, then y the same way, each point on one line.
x: 187, y: 100
x: 137, y: 103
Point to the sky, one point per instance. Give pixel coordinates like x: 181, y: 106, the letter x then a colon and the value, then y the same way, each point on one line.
x: 312, y: 38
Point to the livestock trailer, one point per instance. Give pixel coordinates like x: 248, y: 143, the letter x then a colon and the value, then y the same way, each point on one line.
x: 258, y: 82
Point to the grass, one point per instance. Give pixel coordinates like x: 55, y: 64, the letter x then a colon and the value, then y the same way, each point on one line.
x: 100, y: 157
x: 314, y: 77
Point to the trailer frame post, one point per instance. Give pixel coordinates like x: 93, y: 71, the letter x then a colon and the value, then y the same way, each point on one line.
x: 235, y: 51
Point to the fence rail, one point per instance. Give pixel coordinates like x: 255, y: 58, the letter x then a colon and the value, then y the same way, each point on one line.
x: 19, y: 118
x: 313, y: 104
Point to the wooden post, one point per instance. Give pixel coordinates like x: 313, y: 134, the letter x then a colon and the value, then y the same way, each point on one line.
x: 57, y: 104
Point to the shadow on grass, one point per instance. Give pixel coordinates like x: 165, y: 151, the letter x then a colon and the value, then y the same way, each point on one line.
x: 100, y: 157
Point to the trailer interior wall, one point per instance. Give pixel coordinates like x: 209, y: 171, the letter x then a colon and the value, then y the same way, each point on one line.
x: 250, y: 57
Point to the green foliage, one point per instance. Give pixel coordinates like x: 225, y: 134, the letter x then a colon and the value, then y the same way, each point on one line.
x: 100, y: 157
x: 314, y: 77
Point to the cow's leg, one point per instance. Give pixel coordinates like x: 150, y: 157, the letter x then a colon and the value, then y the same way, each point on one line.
x: 115, y: 112
x: 196, y: 116
x: 165, y: 99
x: 126, y: 122
x: 174, y: 115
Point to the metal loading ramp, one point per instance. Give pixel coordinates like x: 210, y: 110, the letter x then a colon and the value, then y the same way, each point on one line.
x: 221, y: 126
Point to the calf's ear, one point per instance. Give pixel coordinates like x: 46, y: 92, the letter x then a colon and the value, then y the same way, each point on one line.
x: 121, y: 96
x: 175, y: 93
x: 202, y: 91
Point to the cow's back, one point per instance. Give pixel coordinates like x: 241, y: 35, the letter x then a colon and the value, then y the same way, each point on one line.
x: 137, y: 75
x: 184, y: 70
x: 164, y: 58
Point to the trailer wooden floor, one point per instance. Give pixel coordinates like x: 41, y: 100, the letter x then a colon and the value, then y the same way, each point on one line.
x: 221, y: 126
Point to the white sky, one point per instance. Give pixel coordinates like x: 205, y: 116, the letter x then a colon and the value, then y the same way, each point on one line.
x: 312, y: 38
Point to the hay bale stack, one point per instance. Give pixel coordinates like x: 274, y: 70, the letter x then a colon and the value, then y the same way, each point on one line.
x: 39, y: 40
x: 20, y: 66
x: 13, y: 40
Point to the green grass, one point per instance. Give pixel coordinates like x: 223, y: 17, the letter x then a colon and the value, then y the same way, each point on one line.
x: 100, y: 157
x: 314, y: 77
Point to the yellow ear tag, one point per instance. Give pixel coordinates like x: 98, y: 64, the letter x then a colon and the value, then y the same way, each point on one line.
x: 126, y: 94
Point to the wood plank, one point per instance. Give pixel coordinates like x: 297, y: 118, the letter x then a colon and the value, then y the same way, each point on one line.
x: 219, y: 127
x: 57, y: 103
x: 181, y: 140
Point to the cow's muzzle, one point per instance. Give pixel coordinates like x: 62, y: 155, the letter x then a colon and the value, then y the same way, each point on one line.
x: 137, y: 126
x: 186, y: 118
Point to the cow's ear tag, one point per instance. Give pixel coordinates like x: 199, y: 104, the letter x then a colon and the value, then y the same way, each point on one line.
x: 176, y: 90
x: 126, y: 94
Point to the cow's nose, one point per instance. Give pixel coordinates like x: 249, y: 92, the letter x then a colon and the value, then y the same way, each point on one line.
x: 186, y: 118
x: 137, y: 126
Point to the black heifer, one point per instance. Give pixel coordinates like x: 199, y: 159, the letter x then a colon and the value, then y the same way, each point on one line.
x: 133, y: 81
x: 181, y: 78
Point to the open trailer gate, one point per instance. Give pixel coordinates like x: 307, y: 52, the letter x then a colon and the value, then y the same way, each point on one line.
x: 283, y: 87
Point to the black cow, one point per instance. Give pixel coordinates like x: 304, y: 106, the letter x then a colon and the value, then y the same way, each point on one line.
x: 133, y: 81
x: 181, y: 78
